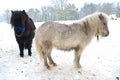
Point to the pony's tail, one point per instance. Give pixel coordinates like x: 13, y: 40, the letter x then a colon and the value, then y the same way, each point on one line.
x: 39, y: 48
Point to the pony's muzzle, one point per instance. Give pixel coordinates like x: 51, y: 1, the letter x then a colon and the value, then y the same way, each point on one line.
x: 107, y: 34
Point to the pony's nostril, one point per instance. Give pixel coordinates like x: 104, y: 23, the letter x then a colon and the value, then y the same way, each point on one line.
x: 106, y: 34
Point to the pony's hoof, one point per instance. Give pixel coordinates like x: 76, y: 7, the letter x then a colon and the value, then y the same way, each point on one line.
x: 48, y: 67
x: 22, y: 55
x: 29, y: 54
x: 54, y: 65
x: 78, y: 66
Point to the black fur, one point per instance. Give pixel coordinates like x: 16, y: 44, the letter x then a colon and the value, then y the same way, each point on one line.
x: 25, y: 34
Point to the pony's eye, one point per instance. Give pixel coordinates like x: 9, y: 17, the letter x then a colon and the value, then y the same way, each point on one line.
x: 104, y: 24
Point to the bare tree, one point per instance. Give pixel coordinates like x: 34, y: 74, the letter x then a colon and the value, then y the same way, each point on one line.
x: 7, y: 15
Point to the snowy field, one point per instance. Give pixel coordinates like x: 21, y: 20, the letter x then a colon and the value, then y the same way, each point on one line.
x: 100, y: 60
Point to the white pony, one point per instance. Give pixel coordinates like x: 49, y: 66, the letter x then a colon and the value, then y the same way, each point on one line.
x: 74, y: 36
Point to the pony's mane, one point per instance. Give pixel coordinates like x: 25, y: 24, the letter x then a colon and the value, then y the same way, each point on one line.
x: 95, y: 17
x: 93, y: 20
x: 18, y: 17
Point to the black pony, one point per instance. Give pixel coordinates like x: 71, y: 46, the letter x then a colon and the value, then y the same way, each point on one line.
x: 24, y: 29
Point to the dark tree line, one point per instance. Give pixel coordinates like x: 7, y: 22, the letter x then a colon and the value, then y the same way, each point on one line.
x: 62, y: 10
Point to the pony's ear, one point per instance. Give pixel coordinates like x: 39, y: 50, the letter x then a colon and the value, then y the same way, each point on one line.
x: 101, y: 16
x: 23, y: 11
x: 12, y: 11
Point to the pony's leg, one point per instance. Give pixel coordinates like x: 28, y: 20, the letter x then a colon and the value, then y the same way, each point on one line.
x: 29, y: 51
x: 45, y: 60
x: 51, y: 60
x: 78, y: 52
x: 21, y: 48
x: 28, y: 46
x: 47, y: 47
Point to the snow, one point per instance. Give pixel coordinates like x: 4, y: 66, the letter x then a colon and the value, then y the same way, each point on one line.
x: 100, y: 60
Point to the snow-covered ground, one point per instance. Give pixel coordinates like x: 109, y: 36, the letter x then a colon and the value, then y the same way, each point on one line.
x: 100, y: 60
